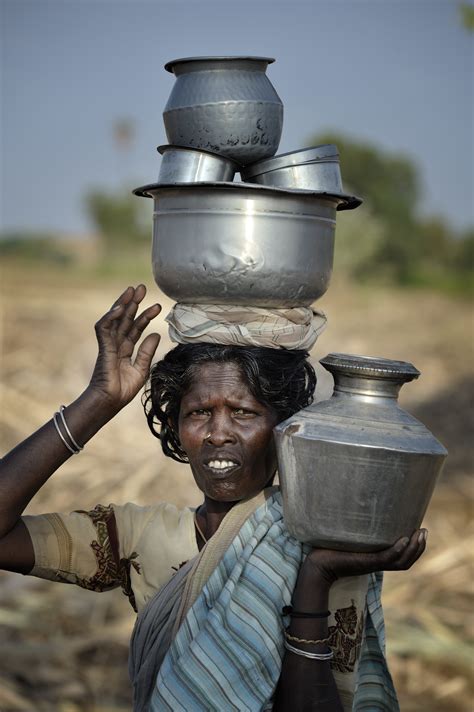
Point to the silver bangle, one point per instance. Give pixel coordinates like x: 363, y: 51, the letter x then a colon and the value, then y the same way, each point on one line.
x: 78, y: 447
x: 74, y: 452
x: 311, y: 656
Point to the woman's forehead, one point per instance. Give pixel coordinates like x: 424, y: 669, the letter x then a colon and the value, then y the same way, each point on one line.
x: 210, y: 379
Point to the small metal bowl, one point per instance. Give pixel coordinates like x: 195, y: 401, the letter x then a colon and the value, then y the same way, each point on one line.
x: 180, y: 164
x: 309, y: 169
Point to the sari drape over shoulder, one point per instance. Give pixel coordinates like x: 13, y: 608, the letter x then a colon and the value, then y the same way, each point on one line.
x: 212, y: 638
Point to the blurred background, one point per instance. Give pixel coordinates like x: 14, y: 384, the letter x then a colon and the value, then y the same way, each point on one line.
x: 82, y: 92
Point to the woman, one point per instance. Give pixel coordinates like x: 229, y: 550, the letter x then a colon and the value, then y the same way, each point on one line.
x: 211, y: 635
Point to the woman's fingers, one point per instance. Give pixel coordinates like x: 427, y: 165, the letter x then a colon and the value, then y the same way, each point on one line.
x: 131, y: 308
x: 145, y: 354
x: 133, y: 299
x: 118, y: 331
x: 140, y: 324
x: 413, y: 550
x: 403, y: 554
x: 104, y: 328
x: 118, y: 321
x: 124, y: 298
x: 116, y: 311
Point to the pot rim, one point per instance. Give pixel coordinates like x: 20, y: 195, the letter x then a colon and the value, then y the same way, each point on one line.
x: 181, y: 60
x: 293, y: 158
x: 372, y: 366
x: 344, y: 201
x: 174, y: 147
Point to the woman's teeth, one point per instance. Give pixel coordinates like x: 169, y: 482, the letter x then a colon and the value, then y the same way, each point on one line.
x: 221, y: 464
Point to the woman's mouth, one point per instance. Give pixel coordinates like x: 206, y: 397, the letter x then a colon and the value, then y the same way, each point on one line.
x: 221, y: 466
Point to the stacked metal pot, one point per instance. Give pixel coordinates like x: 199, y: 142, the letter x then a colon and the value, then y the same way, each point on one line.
x: 267, y: 241
x: 356, y: 471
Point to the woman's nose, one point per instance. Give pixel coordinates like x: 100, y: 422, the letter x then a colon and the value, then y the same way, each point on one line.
x: 220, y: 431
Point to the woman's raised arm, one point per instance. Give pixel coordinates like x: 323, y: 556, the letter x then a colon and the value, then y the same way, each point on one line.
x: 115, y: 381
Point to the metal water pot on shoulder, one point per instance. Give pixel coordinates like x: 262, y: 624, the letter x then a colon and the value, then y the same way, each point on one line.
x: 357, y: 471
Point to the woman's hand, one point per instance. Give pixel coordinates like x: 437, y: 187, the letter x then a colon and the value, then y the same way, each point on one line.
x: 117, y: 378
x: 115, y: 381
x: 329, y: 565
x: 322, y: 567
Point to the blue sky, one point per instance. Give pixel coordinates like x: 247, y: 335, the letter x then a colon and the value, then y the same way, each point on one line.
x: 396, y: 72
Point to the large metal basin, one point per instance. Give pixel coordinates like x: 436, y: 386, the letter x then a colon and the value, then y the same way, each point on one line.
x: 241, y: 244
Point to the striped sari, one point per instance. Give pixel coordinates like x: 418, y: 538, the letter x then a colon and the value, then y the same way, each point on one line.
x: 212, y: 638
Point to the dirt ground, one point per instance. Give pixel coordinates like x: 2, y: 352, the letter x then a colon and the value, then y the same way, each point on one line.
x: 64, y: 649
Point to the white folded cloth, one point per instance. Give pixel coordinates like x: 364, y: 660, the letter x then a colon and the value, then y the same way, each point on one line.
x: 227, y: 324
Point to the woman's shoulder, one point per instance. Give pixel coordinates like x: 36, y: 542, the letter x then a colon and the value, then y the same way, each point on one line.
x: 157, y: 539
x: 130, y: 520
x: 141, y: 526
x: 166, y: 514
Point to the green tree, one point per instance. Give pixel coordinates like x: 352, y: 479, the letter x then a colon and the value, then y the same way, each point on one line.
x: 122, y: 220
x: 389, y: 184
x: 446, y: 258
x: 467, y: 15
x: 358, y: 236
x: 464, y: 253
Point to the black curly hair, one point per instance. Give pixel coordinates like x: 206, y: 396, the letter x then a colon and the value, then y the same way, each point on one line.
x: 282, y: 379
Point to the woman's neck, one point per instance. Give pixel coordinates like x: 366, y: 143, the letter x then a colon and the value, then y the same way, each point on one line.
x: 210, y: 515
x: 211, y: 512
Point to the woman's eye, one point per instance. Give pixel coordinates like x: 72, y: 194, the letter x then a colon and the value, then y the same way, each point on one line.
x: 242, y: 412
x: 199, y: 413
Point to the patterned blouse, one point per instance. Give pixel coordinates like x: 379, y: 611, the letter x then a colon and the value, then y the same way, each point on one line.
x: 137, y: 548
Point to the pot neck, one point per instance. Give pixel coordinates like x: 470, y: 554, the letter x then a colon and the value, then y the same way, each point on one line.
x: 367, y: 390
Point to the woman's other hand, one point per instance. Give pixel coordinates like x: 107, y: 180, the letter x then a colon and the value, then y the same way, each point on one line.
x: 322, y: 567
x: 329, y: 565
x: 118, y: 377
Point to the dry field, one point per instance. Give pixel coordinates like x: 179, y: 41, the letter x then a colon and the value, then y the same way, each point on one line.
x: 64, y: 649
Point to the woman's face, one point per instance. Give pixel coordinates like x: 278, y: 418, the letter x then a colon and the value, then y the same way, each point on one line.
x: 226, y: 434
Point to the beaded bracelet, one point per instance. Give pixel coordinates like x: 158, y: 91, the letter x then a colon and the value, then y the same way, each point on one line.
x: 304, y: 640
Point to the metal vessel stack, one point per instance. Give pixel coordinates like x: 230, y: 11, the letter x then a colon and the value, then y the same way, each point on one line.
x: 360, y: 474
